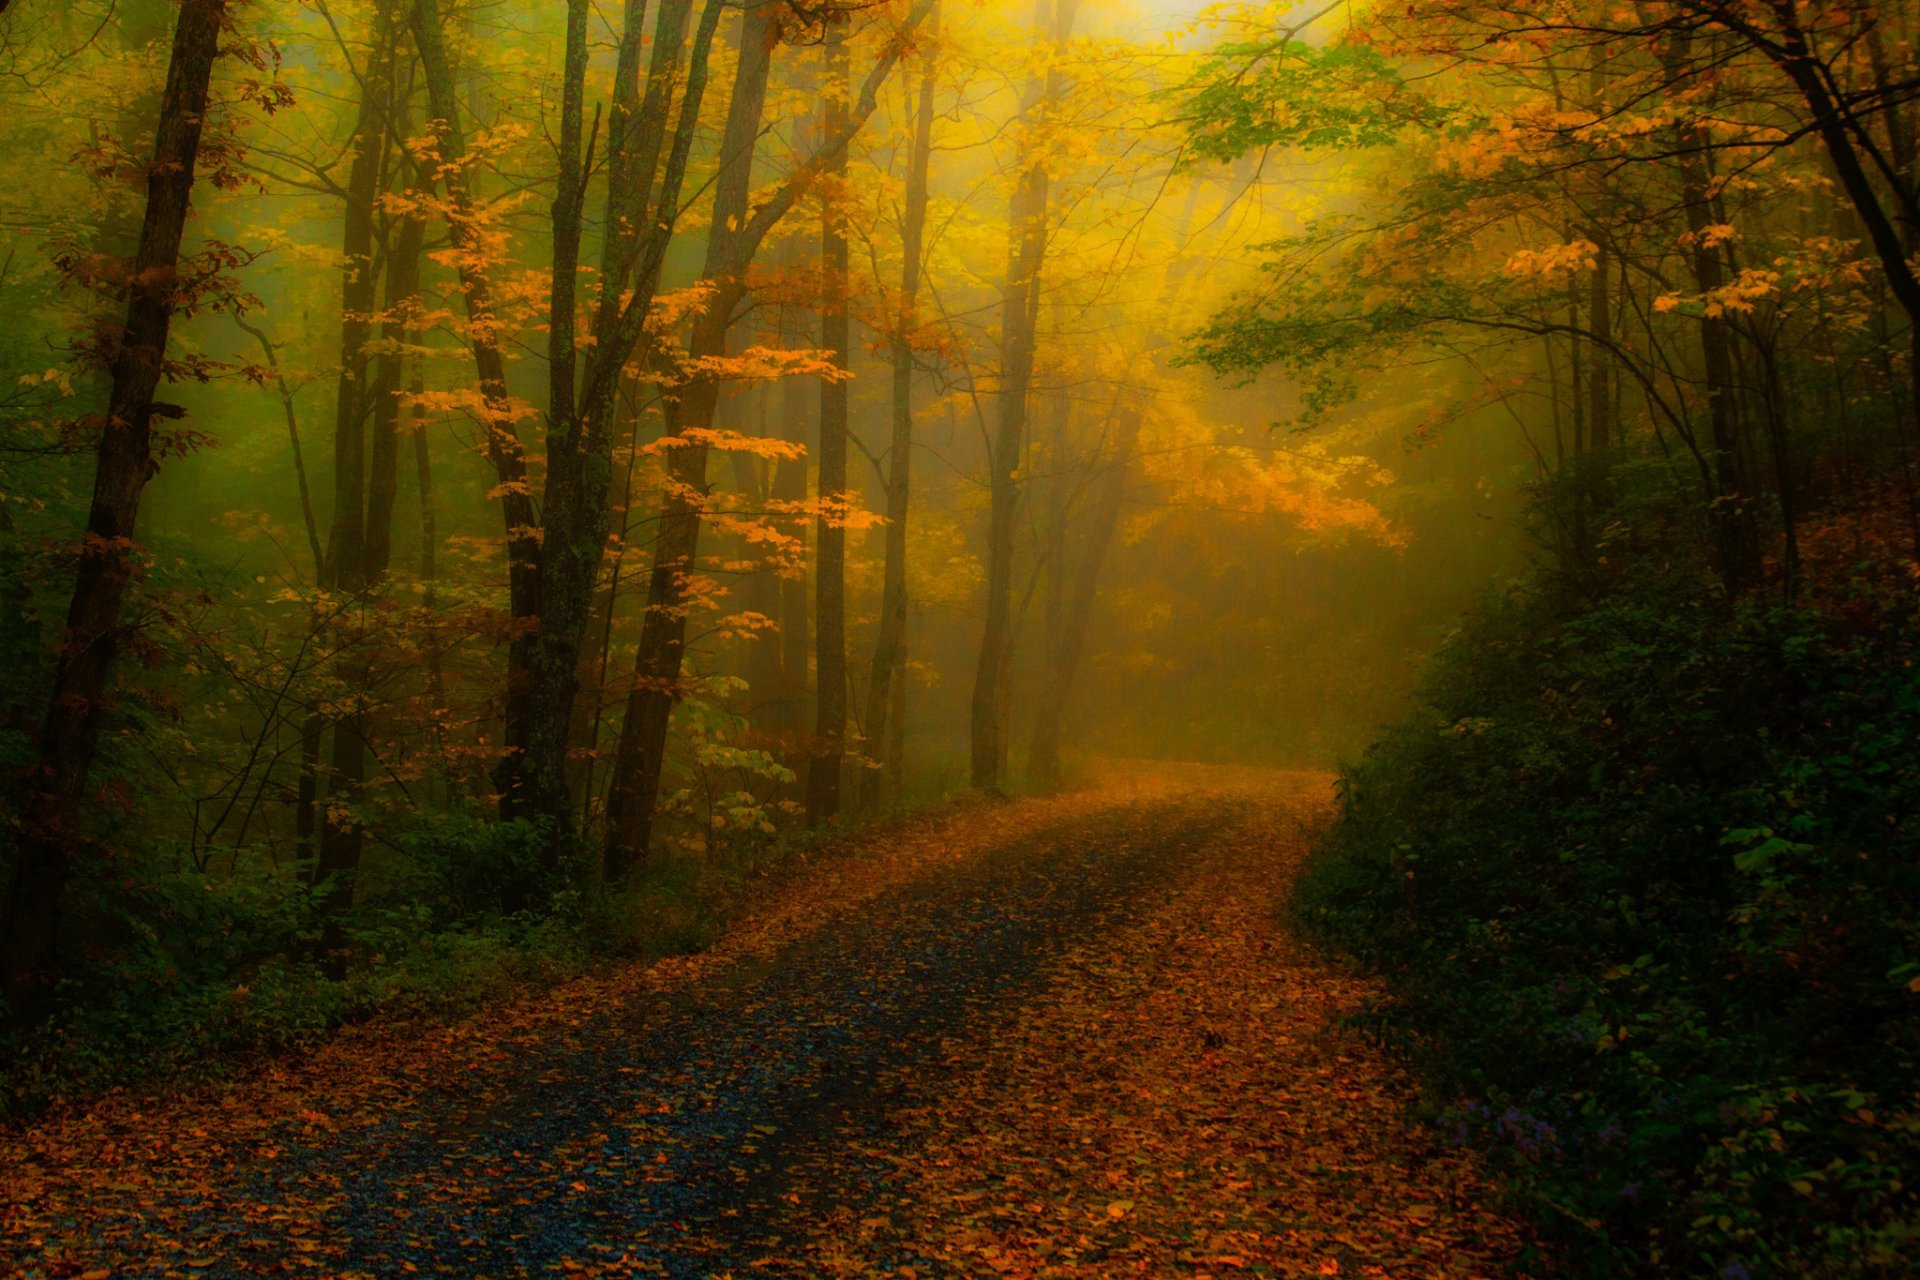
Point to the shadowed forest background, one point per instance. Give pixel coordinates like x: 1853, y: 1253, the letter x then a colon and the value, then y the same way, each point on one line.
x: 488, y: 485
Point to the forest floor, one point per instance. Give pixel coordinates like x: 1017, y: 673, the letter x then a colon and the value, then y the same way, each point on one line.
x: 1053, y: 1037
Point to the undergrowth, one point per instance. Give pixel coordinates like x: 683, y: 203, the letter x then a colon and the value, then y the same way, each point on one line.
x: 192, y: 972
x: 1644, y: 874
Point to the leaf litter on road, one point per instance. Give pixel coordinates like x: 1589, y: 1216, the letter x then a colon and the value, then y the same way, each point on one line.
x: 1063, y: 1036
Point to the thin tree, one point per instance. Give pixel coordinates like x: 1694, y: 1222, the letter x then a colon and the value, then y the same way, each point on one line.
x: 1019, y: 324
x: 886, y: 679
x: 830, y: 530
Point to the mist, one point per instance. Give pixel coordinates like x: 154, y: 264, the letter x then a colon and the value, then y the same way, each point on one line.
x: 501, y: 497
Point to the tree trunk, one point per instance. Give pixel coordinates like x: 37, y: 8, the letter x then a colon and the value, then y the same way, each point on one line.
x: 830, y: 531
x: 1076, y: 610
x: 581, y: 423
x: 640, y: 756
x: 1043, y: 759
x: 762, y: 586
x: 735, y: 237
x: 347, y: 571
x: 504, y: 448
x: 1027, y: 220
x: 796, y: 618
x: 1599, y: 354
x: 70, y: 735
x: 543, y: 660
x: 1730, y: 519
x: 886, y: 680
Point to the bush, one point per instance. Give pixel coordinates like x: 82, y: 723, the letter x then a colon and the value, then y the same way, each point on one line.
x: 189, y: 971
x: 1643, y: 873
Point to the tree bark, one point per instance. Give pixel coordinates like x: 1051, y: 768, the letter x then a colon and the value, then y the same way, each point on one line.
x: 1730, y: 519
x: 796, y: 618
x: 499, y: 418
x: 886, y: 679
x: 580, y: 424
x: 1027, y: 220
x: 70, y: 734
x: 640, y: 756
x: 348, y: 569
x: 1599, y: 355
x: 830, y: 532
x: 735, y: 237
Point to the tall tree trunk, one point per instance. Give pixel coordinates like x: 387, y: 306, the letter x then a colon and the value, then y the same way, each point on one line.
x: 1599, y: 354
x: 1043, y: 759
x: 581, y: 423
x: 640, y: 756
x: 735, y: 237
x: 762, y: 586
x: 1027, y: 223
x: 531, y: 777
x: 796, y: 618
x: 70, y: 735
x: 830, y: 530
x: 359, y: 292
x: 429, y: 566
x: 1779, y: 438
x: 390, y: 371
x: 1730, y: 518
x: 886, y: 680
x: 1076, y: 610
x: 499, y: 418
x: 347, y: 571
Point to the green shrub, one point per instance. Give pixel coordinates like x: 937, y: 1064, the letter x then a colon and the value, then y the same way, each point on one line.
x: 1644, y: 872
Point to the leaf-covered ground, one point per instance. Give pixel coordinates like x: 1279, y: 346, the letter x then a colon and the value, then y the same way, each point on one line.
x: 1053, y: 1037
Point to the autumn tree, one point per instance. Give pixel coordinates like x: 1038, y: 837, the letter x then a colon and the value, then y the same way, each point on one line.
x: 157, y: 282
x: 886, y: 678
x: 830, y: 535
x: 736, y: 235
x: 1027, y: 221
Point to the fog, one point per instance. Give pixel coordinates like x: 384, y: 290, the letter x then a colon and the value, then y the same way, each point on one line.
x: 1190, y: 565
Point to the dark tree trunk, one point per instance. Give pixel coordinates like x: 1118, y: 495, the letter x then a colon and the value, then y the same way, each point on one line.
x: 640, y: 756
x: 830, y: 532
x: 1599, y: 355
x: 504, y: 448
x: 735, y: 238
x: 545, y: 663
x: 1736, y: 543
x: 581, y: 422
x: 796, y: 618
x: 348, y: 570
x: 70, y: 735
x: 762, y: 586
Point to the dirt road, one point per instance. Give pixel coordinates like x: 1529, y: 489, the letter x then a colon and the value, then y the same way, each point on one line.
x: 1050, y: 1037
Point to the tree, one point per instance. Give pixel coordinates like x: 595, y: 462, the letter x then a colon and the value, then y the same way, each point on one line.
x: 886, y: 680
x: 643, y: 205
x: 1019, y: 323
x: 735, y: 237
x: 830, y: 536
x: 108, y: 558
x: 365, y: 471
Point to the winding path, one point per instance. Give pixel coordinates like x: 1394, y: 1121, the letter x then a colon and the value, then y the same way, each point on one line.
x: 1052, y: 1037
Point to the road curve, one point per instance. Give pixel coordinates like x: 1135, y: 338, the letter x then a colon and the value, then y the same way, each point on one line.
x: 864, y: 1085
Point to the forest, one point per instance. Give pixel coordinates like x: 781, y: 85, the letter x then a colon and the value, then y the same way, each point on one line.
x: 941, y: 637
